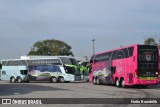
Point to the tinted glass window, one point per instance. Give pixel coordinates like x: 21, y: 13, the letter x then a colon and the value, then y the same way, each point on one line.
x: 147, y: 54
x: 65, y: 60
x: 74, y: 62
x: 117, y: 54
x: 3, y: 72
x: 45, y: 68
x: 69, y: 70
x: 24, y: 72
x: 32, y: 62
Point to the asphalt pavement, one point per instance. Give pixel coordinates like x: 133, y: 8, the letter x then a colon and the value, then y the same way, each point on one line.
x: 75, y: 90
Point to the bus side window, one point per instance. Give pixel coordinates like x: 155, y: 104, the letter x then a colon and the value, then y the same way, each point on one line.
x: 45, y: 68
x: 23, y: 72
x: 3, y: 72
x: 50, y: 68
x: 56, y: 69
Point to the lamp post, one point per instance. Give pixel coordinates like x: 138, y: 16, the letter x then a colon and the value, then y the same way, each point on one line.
x: 93, y: 46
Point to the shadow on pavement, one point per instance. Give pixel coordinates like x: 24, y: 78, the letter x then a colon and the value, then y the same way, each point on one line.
x: 23, y: 88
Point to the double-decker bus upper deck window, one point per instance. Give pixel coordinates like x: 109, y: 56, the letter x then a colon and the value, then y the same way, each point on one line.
x: 117, y: 54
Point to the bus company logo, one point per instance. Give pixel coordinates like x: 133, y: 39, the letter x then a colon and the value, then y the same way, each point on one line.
x: 6, y: 101
x: 148, y: 57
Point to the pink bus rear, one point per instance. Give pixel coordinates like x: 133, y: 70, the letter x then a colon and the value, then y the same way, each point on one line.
x: 127, y: 66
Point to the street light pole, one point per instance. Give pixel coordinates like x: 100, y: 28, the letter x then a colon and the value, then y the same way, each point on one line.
x: 93, y: 46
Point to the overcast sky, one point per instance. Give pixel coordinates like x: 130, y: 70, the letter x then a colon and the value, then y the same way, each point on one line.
x: 110, y: 22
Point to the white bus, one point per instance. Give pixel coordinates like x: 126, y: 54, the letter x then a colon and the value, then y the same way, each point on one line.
x: 41, y: 69
x: 46, y: 69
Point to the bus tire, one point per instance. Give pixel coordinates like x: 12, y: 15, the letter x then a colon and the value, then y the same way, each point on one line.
x: 122, y: 83
x: 61, y: 80
x: 117, y: 82
x: 12, y: 80
x: 94, y: 80
x: 98, y: 82
x: 19, y: 79
x: 53, y: 79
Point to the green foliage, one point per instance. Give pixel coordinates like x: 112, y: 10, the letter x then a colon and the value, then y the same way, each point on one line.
x: 150, y: 41
x: 51, y: 47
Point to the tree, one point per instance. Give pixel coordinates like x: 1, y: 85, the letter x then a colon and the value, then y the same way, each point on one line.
x: 51, y: 47
x: 150, y: 41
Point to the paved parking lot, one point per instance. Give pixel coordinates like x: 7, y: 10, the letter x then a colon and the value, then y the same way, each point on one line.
x: 73, y: 90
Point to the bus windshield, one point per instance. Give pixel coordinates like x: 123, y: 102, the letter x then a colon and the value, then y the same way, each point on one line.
x: 66, y: 60
x: 74, y: 62
x: 69, y: 61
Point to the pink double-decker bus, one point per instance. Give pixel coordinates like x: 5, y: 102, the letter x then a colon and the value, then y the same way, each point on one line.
x: 127, y: 66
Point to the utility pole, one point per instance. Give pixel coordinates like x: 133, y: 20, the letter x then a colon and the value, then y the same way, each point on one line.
x: 93, y: 46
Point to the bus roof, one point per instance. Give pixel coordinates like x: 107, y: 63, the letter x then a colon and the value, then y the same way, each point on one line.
x: 37, y: 57
x: 116, y: 49
x: 9, y: 62
x: 27, y: 59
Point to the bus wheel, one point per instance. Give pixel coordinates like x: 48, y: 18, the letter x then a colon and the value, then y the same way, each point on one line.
x: 94, y: 80
x: 61, y: 79
x: 123, y: 83
x: 117, y: 82
x: 19, y: 80
x: 53, y: 80
x: 12, y: 80
x: 97, y: 81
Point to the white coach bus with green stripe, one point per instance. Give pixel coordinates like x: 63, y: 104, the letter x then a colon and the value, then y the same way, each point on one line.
x: 40, y: 69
